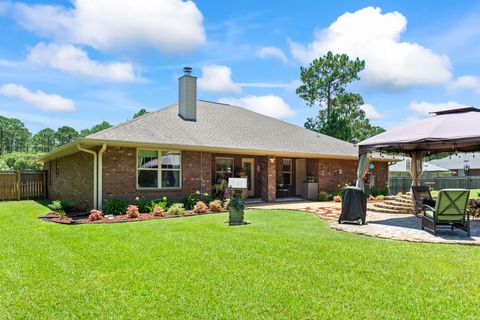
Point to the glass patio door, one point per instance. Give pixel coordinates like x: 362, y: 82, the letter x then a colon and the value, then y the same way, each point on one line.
x: 248, y: 164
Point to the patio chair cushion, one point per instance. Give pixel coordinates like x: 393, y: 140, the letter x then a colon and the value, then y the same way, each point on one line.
x: 451, y: 204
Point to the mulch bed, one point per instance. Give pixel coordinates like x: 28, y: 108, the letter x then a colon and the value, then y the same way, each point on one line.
x: 82, y: 217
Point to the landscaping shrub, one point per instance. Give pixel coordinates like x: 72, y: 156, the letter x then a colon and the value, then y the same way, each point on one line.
x: 193, y: 198
x: 377, y: 191
x: 115, y: 206
x: 144, y: 205
x: 337, y: 198
x: 56, y: 205
x: 158, y: 211
x: 200, y: 207
x: 67, y: 205
x: 176, y: 209
x: 162, y: 203
x: 62, y: 214
x: 215, y: 205
x: 132, y: 212
x: 325, y: 196
x: 380, y: 197
x: 95, y: 215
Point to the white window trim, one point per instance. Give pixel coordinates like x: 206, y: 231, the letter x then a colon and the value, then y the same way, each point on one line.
x: 159, y: 169
x: 289, y: 172
x: 227, y: 158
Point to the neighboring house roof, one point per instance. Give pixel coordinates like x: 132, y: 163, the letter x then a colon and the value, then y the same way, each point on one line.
x: 221, y: 126
x: 458, y: 162
x: 404, y: 166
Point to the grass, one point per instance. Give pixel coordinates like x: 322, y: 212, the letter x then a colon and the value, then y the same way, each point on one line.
x: 286, y: 264
x: 474, y: 193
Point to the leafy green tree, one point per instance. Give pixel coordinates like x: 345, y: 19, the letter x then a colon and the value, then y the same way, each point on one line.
x: 65, y: 135
x: 21, y: 161
x: 340, y: 114
x: 347, y: 121
x: 327, y: 77
x: 14, y: 136
x: 96, y: 128
x: 44, y: 140
x: 140, y: 113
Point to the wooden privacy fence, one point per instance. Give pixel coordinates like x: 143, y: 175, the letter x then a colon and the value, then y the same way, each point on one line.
x: 22, y: 185
x: 402, y: 184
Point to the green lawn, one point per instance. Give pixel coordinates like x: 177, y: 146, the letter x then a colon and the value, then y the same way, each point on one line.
x: 285, y: 264
x: 474, y: 193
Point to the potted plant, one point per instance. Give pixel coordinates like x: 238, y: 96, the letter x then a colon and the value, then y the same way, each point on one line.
x: 235, y: 209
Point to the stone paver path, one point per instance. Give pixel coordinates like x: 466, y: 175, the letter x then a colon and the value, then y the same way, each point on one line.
x: 405, y: 227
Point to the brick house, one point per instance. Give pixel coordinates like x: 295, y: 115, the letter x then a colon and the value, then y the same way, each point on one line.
x: 191, y: 146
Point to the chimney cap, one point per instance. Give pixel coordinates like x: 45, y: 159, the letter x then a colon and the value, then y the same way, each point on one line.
x: 187, y: 71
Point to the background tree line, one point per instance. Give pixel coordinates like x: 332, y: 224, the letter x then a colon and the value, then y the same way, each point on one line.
x: 19, y: 148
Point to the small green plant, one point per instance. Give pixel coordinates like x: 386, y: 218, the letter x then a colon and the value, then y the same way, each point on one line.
x: 144, y: 205
x: 193, y: 198
x: 200, y: 207
x: 115, y: 206
x: 162, y: 203
x: 325, y: 196
x: 215, y: 205
x: 176, y: 209
x: 375, y: 191
x: 56, y: 205
x: 62, y: 214
x: 380, y: 197
x: 132, y: 212
x: 236, y: 202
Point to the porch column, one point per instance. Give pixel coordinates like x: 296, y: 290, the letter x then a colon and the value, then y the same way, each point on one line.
x: 271, y: 178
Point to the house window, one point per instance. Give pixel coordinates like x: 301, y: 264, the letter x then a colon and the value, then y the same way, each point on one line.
x: 158, y: 169
x: 287, y: 171
x: 223, y: 169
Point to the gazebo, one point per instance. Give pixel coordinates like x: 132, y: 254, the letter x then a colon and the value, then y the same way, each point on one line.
x: 454, y: 130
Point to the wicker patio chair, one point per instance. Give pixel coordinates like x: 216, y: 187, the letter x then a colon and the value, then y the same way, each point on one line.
x: 450, y: 210
x: 421, y: 196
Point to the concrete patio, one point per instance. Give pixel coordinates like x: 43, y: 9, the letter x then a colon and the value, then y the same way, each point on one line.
x: 404, y: 227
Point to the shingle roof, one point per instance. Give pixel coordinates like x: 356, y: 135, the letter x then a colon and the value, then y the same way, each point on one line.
x: 457, y: 162
x: 225, y: 126
x: 401, y: 166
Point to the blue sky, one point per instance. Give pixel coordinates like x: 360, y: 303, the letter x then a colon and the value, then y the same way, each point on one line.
x: 81, y: 62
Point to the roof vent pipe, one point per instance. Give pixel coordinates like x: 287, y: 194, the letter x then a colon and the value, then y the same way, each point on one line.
x: 187, y: 95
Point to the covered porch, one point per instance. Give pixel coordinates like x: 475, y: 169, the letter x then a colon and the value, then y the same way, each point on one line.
x: 288, y: 178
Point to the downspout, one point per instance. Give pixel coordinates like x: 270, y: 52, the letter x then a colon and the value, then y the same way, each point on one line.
x: 100, y: 176
x: 95, y: 175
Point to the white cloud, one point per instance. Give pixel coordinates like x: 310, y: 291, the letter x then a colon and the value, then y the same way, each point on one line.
x: 267, y: 52
x: 71, y: 59
x: 269, y: 105
x: 288, y: 86
x: 217, y: 78
x: 466, y: 82
x: 370, y: 111
x: 48, y: 102
x: 424, y: 108
x: 375, y: 38
x: 171, y: 26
